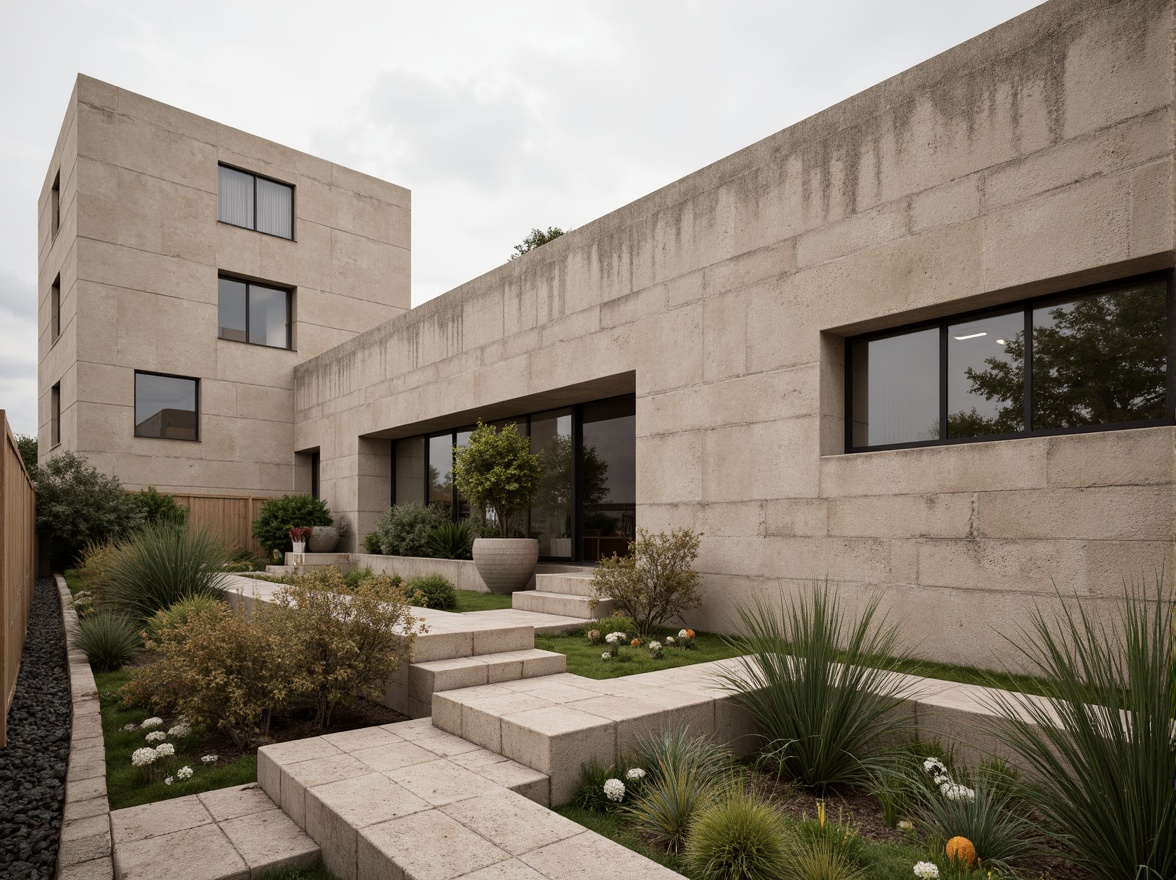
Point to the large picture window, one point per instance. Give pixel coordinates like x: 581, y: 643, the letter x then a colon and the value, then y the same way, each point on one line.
x: 1089, y: 360
x: 245, y: 199
x: 167, y: 406
x: 254, y: 313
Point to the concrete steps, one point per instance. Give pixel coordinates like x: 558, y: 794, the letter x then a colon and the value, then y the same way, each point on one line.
x: 435, y: 676
x: 563, y: 593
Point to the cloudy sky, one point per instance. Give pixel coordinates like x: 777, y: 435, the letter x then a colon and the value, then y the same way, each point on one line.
x: 498, y: 116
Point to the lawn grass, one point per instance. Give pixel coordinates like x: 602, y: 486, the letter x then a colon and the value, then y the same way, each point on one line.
x: 471, y: 600
x: 610, y: 825
x: 584, y: 657
x: 73, y: 580
x: 314, y: 872
x: 126, y: 786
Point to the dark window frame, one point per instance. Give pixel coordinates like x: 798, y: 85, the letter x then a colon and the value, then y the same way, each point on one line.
x: 248, y: 282
x: 55, y: 415
x: 135, y: 415
x: 1026, y: 306
x: 293, y: 202
x: 55, y: 310
x: 55, y: 205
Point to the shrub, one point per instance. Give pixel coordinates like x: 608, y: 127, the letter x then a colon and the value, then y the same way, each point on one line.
x: 655, y: 582
x: 222, y: 670
x: 77, y: 505
x: 818, y: 858
x: 278, y: 515
x: 497, y: 472
x: 177, y: 614
x: 161, y: 508
x: 1100, y: 745
x: 451, y: 540
x: 431, y: 591
x: 823, y: 713
x: 97, y: 563
x: 349, y: 641
x: 163, y: 564
x: 371, y: 543
x: 685, y: 775
x: 27, y: 447
x: 738, y: 838
x: 107, y: 638
x: 404, y: 530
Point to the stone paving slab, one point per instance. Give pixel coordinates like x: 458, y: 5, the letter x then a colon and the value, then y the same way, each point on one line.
x: 229, y: 834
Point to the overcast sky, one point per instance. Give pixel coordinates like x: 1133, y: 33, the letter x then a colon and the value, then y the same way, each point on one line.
x: 498, y: 116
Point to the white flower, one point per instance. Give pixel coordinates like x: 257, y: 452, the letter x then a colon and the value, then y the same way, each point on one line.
x: 955, y: 792
x: 614, y: 790
x: 934, y: 766
x: 655, y: 646
x: 143, y: 757
x: 169, y: 780
x: 926, y: 871
x: 614, y: 638
x: 131, y: 726
x: 635, y: 773
x: 681, y: 633
x: 180, y: 729
x: 209, y: 759
x: 905, y: 825
x: 184, y: 772
x: 607, y: 655
x: 165, y: 750
x: 670, y: 640
x: 156, y: 736
x: 942, y: 779
x: 151, y: 722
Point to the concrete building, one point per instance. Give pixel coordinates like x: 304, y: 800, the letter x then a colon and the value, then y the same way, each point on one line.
x: 919, y: 345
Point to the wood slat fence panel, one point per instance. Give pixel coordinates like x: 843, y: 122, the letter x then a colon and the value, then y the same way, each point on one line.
x: 18, y: 558
x: 230, y: 515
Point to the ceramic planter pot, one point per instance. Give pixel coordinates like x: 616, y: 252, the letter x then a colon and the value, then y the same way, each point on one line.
x: 323, y: 539
x: 506, y: 564
x: 298, y: 546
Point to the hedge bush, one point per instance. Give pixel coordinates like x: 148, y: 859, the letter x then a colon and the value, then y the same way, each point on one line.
x: 431, y: 591
x: 404, y: 530
x: 278, y: 515
x: 78, y: 505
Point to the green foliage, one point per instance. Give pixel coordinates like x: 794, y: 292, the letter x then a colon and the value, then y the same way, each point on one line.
x: 97, y: 562
x: 823, y: 711
x: 497, y: 472
x: 279, y: 515
x: 590, y: 795
x: 371, y: 543
x: 164, y: 564
x: 738, y: 838
x: 451, y: 540
x: 221, y: 670
x: 27, y: 447
x: 1102, y: 748
x: 177, y: 614
x: 655, y: 582
x: 685, y: 775
x: 77, y: 505
x: 108, y: 639
x: 431, y: 591
x: 348, y: 641
x: 404, y: 530
x: 820, y: 858
x: 161, y: 508
x: 536, y: 238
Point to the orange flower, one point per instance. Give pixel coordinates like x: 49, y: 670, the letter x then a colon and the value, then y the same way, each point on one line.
x: 636, y: 643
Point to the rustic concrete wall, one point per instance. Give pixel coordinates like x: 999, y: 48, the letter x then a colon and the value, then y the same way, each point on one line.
x: 140, y: 250
x: 1032, y: 159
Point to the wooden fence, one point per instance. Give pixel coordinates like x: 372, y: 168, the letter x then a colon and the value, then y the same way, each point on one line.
x: 230, y: 515
x: 18, y: 556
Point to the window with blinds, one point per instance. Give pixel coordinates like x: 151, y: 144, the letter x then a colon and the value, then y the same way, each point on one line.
x: 255, y: 202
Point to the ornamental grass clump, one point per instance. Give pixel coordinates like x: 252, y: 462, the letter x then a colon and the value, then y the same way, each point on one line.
x: 738, y: 838
x: 820, y: 686
x: 108, y: 639
x: 163, y: 564
x: 1101, y: 745
x: 655, y: 582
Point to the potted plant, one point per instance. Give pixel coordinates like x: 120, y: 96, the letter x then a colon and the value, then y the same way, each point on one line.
x: 498, y: 473
x: 298, y: 536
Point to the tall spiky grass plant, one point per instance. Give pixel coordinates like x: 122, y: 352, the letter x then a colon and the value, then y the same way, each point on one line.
x: 163, y: 564
x: 1101, y: 745
x: 108, y: 639
x: 822, y: 687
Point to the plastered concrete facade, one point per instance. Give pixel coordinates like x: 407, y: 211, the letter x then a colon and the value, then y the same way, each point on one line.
x: 139, y: 251
x: 1036, y: 158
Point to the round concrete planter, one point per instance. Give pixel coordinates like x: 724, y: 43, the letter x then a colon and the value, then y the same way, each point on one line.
x: 506, y: 564
x: 324, y: 539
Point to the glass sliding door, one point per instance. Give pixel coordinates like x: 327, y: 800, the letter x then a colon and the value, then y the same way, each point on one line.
x: 607, y: 477
x: 441, y: 471
x: 551, y: 513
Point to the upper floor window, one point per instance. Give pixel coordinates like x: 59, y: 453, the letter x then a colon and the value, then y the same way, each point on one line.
x: 55, y: 415
x: 55, y: 204
x: 55, y: 309
x: 167, y: 406
x: 245, y: 199
x: 1083, y: 361
x: 256, y: 313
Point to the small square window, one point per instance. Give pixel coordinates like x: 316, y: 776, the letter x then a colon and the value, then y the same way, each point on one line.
x: 55, y: 415
x: 254, y: 202
x: 55, y: 308
x: 167, y: 406
x: 254, y: 313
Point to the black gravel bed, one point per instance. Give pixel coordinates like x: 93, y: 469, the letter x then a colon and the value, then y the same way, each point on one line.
x: 32, y: 767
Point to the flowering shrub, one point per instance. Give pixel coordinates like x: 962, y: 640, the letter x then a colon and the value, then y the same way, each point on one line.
x: 635, y: 774
x: 655, y: 582
x: 184, y: 772
x: 180, y: 730
x: 655, y: 650
x: 165, y: 750
x: 151, y: 722
x: 614, y: 790
x: 156, y: 736
x: 144, y: 757
x: 209, y: 759
x: 926, y: 871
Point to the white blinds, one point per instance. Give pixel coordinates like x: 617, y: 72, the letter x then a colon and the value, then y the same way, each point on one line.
x: 235, y: 201
x: 275, y: 208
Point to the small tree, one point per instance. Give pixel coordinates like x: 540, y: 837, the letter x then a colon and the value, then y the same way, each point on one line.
x: 536, y: 238
x: 159, y: 507
x: 77, y: 505
x: 497, y: 472
x: 28, y: 454
x: 655, y: 582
